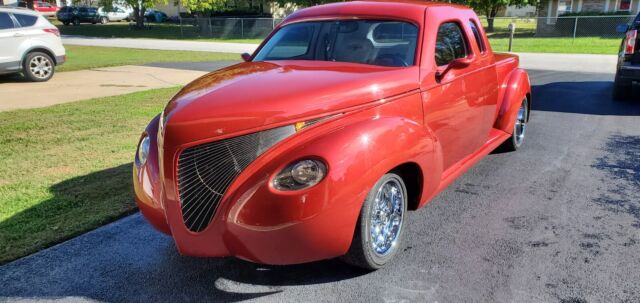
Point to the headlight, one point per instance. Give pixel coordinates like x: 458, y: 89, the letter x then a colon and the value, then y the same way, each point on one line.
x: 300, y: 175
x: 143, y: 149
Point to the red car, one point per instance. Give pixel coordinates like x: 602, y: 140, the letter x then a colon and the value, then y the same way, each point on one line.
x: 347, y: 116
x: 45, y: 8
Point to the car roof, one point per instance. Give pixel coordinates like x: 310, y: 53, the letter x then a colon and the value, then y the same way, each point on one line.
x: 18, y: 10
x: 395, y: 9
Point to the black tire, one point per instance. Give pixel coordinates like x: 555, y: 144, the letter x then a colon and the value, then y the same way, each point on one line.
x: 76, y: 21
x: 38, y: 67
x: 66, y: 23
x: 621, y: 89
x: 517, y: 139
x: 104, y: 20
x: 361, y: 253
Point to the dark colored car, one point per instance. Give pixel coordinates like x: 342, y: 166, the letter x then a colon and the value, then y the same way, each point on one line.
x: 76, y: 15
x: 152, y: 15
x: 628, y: 69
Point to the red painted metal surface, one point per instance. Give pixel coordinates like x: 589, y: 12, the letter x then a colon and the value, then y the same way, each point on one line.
x: 382, y: 117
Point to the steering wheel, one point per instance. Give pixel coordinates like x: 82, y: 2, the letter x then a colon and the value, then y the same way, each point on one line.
x: 396, y: 60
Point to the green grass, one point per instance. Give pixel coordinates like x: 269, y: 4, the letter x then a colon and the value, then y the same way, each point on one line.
x: 558, y: 45
x: 85, y: 57
x: 66, y: 169
x: 155, y: 31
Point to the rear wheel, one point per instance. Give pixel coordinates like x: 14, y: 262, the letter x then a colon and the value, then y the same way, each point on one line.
x: 38, y: 67
x: 621, y: 89
x: 519, y: 129
x: 66, y: 23
x: 379, y: 229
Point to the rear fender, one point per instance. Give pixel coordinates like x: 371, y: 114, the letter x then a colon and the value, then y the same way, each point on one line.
x: 516, y: 88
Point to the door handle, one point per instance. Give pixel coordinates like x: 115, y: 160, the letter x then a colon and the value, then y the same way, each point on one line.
x: 18, y: 35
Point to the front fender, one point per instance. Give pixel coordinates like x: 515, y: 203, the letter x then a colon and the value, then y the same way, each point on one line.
x: 319, y: 222
x: 146, y: 181
x: 516, y: 88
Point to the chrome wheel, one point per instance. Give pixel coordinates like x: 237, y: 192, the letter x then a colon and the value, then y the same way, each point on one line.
x: 387, y: 214
x: 40, y: 67
x: 521, y: 123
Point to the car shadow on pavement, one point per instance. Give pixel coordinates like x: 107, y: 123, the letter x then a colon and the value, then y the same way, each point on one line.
x: 589, y: 97
x: 128, y: 260
x: 12, y: 78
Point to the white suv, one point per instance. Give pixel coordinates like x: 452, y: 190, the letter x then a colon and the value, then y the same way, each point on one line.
x: 29, y: 44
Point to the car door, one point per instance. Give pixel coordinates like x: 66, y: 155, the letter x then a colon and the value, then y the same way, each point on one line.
x: 10, y: 39
x: 448, y: 110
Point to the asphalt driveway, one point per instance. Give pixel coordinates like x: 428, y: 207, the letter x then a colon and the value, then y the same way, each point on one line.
x: 557, y: 221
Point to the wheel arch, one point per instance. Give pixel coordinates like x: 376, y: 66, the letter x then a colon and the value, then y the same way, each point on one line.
x: 517, y: 87
x: 413, y: 178
x: 39, y: 48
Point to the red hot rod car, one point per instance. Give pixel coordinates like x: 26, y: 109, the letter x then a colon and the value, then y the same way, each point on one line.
x: 347, y: 116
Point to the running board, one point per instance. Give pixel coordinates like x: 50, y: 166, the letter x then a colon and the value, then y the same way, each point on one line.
x: 496, y: 137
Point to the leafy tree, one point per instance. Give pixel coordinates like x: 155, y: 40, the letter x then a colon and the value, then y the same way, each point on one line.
x: 490, y: 8
x: 203, y: 7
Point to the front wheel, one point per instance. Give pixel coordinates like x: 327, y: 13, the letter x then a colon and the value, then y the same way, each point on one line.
x: 76, y: 21
x: 104, y: 20
x: 519, y: 129
x: 379, y: 229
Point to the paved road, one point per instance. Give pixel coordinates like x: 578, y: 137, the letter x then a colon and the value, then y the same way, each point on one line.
x: 162, y: 44
x: 557, y: 221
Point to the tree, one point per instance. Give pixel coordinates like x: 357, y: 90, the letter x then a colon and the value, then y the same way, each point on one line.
x: 304, y: 3
x: 203, y: 7
x: 490, y: 8
x: 139, y: 7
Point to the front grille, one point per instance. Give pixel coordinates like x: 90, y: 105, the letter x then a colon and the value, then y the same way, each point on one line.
x: 206, y: 171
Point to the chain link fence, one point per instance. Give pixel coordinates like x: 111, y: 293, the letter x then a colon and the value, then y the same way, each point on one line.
x: 227, y: 28
x: 557, y: 27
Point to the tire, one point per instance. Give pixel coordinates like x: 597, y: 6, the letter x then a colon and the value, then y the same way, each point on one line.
x: 104, y: 20
x: 76, y: 21
x: 519, y: 129
x: 364, y: 251
x: 38, y: 67
x: 621, y: 90
x: 66, y: 23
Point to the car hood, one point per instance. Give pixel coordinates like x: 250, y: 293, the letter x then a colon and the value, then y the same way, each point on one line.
x: 254, y: 95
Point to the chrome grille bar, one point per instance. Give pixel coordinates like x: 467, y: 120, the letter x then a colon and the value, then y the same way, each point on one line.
x: 205, y: 171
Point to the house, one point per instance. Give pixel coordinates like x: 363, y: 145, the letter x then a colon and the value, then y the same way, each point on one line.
x: 554, y: 8
x: 551, y: 22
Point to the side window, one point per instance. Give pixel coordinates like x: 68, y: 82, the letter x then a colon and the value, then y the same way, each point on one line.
x: 5, y: 21
x: 450, y: 43
x: 291, y: 41
x: 26, y: 20
x: 477, y: 36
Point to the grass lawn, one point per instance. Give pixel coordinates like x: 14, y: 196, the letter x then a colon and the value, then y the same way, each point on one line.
x: 66, y: 169
x: 558, y: 45
x: 156, y: 30
x: 84, y: 57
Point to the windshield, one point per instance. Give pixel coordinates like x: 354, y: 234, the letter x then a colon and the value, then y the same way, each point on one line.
x: 376, y: 42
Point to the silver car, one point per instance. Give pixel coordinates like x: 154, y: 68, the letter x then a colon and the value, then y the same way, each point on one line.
x: 30, y: 44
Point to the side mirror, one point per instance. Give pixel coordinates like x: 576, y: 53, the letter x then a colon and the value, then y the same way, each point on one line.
x: 622, y: 28
x: 455, y: 64
x: 246, y: 57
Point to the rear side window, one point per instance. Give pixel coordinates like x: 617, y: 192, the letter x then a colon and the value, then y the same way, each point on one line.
x: 476, y: 35
x: 83, y: 10
x: 450, y: 43
x: 26, y: 20
x: 5, y: 21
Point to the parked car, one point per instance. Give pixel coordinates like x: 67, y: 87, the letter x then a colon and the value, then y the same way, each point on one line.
x: 81, y: 14
x: 628, y: 68
x: 30, y: 44
x: 45, y: 8
x: 346, y: 117
x: 115, y: 14
x: 154, y: 15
